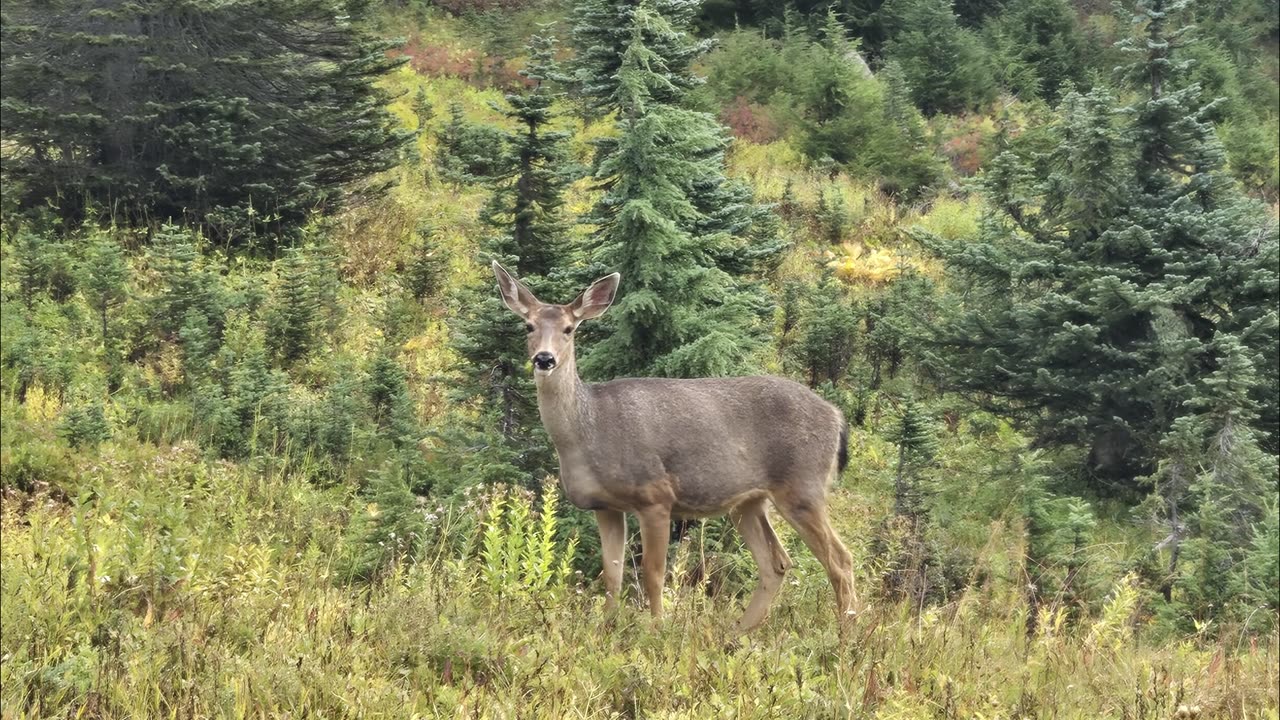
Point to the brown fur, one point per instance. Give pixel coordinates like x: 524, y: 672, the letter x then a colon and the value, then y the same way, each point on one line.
x: 687, y: 448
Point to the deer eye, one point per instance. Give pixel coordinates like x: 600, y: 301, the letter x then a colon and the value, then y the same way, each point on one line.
x: 568, y: 330
x: 528, y: 327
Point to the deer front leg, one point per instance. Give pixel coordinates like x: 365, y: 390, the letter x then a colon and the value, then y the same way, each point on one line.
x: 613, y: 531
x: 655, y: 532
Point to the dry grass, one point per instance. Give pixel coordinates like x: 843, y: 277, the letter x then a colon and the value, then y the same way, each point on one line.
x: 187, y: 588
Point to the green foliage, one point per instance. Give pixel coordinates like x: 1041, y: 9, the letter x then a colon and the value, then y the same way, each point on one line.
x: 821, y: 90
x: 526, y: 226
x: 186, y: 285
x: 466, y: 152
x: 389, y: 402
x: 603, y: 29
x: 1104, y: 275
x: 521, y: 555
x: 1232, y: 485
x: 1059, y: 531
x: 833, y: 216
x: 290, y: 449
x: 1258, y: 575
x: 241, y: 117
x: 423, y: 109
x: 826, y: 335
x: 389, y: 529
x: 679, y: 312
x: 1038, y: 49
x: 294, y: 315
x: 105, y: 274
x: 943, y: 64
x: 916, y: 450
x: 424, y: 274
x: 84, y: 425
x: 42, y: 266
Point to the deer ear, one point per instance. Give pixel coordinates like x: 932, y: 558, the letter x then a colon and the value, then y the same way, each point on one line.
x: 596, y: 299
x: 514, y: 294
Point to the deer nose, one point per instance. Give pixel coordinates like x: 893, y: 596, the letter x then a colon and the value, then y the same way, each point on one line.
x: 544, y: 360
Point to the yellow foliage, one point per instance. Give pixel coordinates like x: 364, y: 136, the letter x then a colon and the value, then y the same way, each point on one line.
x: 41, y: 405
x: 877, y: 266
x: 1109, y: 630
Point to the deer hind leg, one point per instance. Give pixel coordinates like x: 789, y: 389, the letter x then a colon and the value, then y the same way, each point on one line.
x: 655, y: 533
x: 613, y: 530
x: 814, y: 527
x: 753, y: 525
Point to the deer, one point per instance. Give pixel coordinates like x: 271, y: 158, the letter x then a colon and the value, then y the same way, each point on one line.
x: 689, y: 448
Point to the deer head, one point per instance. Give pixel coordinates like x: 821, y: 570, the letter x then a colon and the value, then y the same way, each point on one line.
x: 551, y: 327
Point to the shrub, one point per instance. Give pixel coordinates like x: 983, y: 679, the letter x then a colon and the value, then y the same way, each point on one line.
x: 521, y: 554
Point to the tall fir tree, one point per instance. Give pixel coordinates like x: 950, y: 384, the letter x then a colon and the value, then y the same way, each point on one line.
x: 945, y: 66
x: 241, y: 116
x: 602, y: 29
x: 1217, y: 473
x: 684, y: 238
x: 1103, y: 281
x: 525, y: 217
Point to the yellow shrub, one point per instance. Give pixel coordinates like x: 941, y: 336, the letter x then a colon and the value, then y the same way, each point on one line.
x: 42, y: 405
x: 877, y: 266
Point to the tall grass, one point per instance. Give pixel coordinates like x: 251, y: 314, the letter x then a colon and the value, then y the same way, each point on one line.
x: 174, y: 586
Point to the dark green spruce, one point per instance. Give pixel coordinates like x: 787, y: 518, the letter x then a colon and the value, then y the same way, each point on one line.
x: 242, y: 117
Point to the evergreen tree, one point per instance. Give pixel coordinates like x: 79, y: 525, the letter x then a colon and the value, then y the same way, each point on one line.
x: 525, y: 217
x: 84, y: 425
x: 242, y: 116
x: 42, y: 264
x: 1231, y: 482
x: 294, y: 319
x: 603, y: 29
x: 680, y: 312
x: 424, y: 273
x: 1104, y: 282
x: 1040, y: 50
x: 389, y: 402
x: 914, y: 568
x: 833, y: 216
x: 945, y: 66
x: 185, y: 285
x: 423, y: 109
x: 916, y: 449
x: 467, y: 153
x: 389, y: 528
x: 869, y: 126
x: 105, y: 273
x: 739, y: 235
x: 825, y: 335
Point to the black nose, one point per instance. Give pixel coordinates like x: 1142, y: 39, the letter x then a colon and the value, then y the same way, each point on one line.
x: 544, y: 361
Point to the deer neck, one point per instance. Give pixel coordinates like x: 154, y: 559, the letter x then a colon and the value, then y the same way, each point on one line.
x: 564, y: 402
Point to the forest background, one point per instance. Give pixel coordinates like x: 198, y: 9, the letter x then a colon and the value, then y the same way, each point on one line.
x: 270, y: 443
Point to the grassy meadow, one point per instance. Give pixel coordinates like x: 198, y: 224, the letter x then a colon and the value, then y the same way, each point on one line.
x: 146, y: 575
x: 175, y: 586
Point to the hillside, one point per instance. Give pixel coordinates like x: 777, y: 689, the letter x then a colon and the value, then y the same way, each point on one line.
x: 271, y: 445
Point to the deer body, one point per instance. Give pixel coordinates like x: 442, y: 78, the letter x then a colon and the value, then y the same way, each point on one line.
x: 703, y: 446
x: 660, y: 448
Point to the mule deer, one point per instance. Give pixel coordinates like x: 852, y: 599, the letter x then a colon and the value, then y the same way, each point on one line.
x: 689, y: 448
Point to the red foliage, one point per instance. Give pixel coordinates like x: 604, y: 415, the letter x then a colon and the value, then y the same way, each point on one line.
x: 965, y: 151
x: 467, y: 7
x: 750, y: 121
x: 464, y: 64
x: 440, y: 60
x: 503, y: 73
